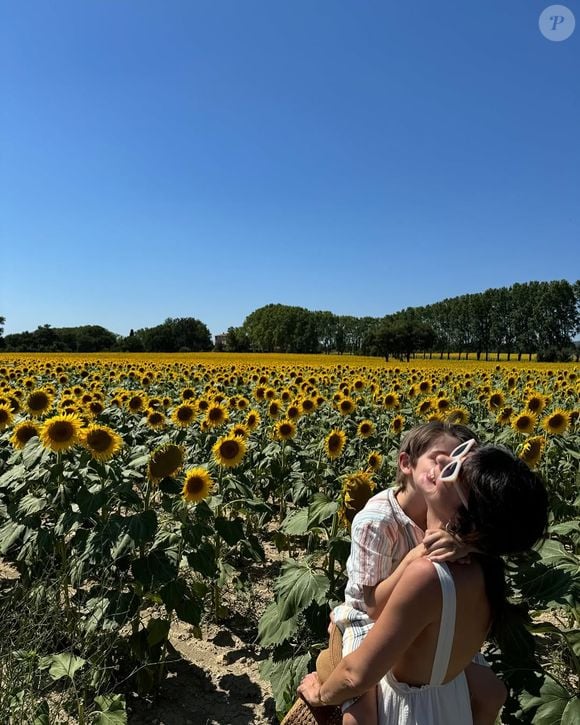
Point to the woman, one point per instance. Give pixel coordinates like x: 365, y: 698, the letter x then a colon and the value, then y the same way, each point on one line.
x: 439, y: 615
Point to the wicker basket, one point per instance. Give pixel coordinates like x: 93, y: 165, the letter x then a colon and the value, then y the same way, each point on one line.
x: 302, y: 714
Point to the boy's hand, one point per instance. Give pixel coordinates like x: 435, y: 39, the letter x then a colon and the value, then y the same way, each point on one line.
x: 443, y: 546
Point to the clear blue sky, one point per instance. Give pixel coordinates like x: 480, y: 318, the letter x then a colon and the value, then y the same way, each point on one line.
x: 202, y: 158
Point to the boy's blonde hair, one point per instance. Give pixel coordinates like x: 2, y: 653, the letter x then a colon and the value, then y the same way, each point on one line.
x: 418, y: 440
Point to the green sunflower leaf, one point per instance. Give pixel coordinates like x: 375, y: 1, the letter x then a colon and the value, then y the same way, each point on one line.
x: 296, y: 523
x: 549, y: 704
x: 321, y: 508
x: 298, y: 586
x: 31, y: 504
x: 272, y: 630
x: 231, y: 531
x: 112, y: 710
x: 62, y: 665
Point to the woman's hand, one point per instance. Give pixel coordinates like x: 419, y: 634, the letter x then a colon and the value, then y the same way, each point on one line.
x: 309, y: 690
x: 443, y: 546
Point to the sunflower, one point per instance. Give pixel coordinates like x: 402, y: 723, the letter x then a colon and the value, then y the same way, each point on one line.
x: 240, y: 430
x: 229, y: 450
x: 435, y: 416
x: 424, y: 407
x: 505, y: 415
x: 284, y: 430
x: 216, y: 415
x: 334, y: 443
x: 274, y: 408
x: 38, y: 402
x: 374, y: 460
x: 391, y: 400
x: 524, y: 422
x: 183, y: 415
x: 357, y: 488
x: 365, y: 428
x: 495, y: 400
x: 557, y: 422
x: 187, y: 394
x: 260, y: 392
x: 442, y: 404
x: 101, y: 442
x: 346, y: 406
x: 155, y: 419
x: 458, y: 416
x: 197, y: 485
x: 60, y: 432
x: 532, y: 450
x: 5, y: 416
x: 293, y: 411
x: 136, y: 403
x: 425, y: 386
x: 397, y: 424
x: 165, y: 461
x: 95, y: 408
x: 535, y: 402
x: 203, y: 405
x: 307, y: 405
x: 253, y: 419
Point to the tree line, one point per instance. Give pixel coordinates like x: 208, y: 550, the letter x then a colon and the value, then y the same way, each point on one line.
x: 184, y: 334
x: 540, y: 318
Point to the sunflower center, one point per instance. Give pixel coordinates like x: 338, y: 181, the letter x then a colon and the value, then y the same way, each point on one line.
x: 184, y: 413
x: 38, y: 401
x: 61, y: 431
x: 99, y: 440
x: 195, y: 484
x: 229, y: 449
x: 334, y: 442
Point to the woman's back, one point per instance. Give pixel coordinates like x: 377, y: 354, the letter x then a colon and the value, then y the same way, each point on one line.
x: 472, y: 621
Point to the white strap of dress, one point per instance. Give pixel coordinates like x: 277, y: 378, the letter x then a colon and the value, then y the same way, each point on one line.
x: 447, y: 626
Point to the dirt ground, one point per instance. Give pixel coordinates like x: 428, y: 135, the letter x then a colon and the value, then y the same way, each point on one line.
x: 212, y: 681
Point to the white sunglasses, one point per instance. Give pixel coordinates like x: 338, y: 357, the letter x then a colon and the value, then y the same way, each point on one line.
x: 450, y: 472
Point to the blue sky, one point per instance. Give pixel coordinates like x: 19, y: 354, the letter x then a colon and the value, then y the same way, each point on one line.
x: 202, y: 158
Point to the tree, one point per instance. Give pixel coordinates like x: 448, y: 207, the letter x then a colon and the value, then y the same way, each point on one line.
x: 184, y: 334
x: 2, y: 321
x: 237, y: 340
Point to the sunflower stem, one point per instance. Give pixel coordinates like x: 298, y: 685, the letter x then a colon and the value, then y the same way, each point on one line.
x: 331, y: 558
x: 281, y: 489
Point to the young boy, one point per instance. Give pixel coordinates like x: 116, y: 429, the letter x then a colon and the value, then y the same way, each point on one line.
x: 386, y: 535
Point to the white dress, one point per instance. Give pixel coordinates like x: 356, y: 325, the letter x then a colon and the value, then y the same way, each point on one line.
x: 435, y: 703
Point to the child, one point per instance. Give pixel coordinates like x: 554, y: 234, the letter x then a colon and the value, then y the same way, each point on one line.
x: 386, y: 536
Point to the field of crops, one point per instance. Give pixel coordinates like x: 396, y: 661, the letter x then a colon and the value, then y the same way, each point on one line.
x: 137, y: 490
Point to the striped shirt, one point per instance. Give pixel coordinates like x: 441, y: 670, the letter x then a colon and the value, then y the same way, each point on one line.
x: 381, y: 535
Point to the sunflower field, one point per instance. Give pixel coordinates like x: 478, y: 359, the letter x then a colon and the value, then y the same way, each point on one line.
x: 137, y: 490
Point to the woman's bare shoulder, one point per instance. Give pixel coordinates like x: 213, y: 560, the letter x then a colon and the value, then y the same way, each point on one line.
x: 420, y: 576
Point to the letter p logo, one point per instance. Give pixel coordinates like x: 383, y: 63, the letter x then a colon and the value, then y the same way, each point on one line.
x: 557, y: 22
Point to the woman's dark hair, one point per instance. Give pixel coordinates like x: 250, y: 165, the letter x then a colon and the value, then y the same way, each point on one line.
x: 508, y: 503
x: 421, y: 437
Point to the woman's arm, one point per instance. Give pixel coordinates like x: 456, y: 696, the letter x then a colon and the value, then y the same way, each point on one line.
x: 376, y: 597
x: 414, y: 604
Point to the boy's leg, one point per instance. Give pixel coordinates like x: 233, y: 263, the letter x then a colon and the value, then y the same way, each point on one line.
x: 363, y: 711
x: 487, y: 693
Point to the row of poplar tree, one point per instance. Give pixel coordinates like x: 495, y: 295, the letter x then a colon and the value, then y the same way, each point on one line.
x: 541, y: 318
